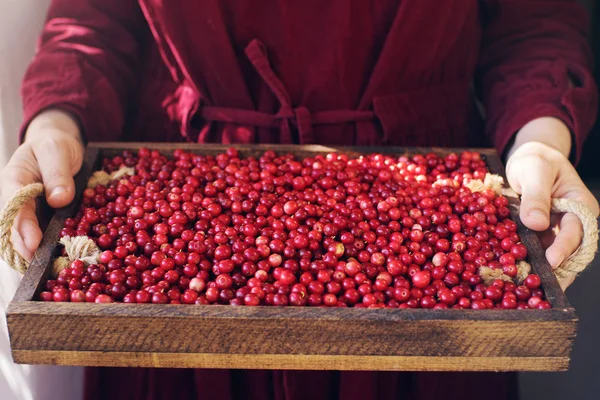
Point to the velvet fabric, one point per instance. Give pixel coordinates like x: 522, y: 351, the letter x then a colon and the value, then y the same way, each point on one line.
x: 398, y: 72
x: 334, y: 72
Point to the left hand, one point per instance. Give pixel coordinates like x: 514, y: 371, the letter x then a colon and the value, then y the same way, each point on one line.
x: 538, y: 169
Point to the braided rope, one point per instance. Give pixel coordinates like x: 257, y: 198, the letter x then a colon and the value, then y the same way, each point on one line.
x: 572, y: 266
x: 78, y: 248
x: 584, y: 255
x: 7, y: 220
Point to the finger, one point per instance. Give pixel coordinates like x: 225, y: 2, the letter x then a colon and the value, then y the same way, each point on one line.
x: 566, y: 241
x: 27, y: 234
x: 55, y: 163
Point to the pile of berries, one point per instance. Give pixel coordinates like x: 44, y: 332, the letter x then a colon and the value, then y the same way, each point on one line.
x: 327, y: 230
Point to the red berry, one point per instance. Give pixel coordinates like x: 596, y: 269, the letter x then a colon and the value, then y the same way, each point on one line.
x: 532, y: 281
x: 251, y: 300
x: 421, y: 279
x: 104, y: 298
x: 327, y: 230
x: 493, y: 293
x: 519, y: 251
x: 159, y: 298
x: 544, y: 305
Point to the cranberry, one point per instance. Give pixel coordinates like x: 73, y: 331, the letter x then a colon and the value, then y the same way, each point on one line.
x: 46, y: 296
x: 159, y: 298
x: 493, y: 293
x: 327, y: 230
x: 143, y: 296
x: 104, y: 298
x: 251, y: 299
x: 518, y: 251
x: 510, y: 270
x: 290, y: 207
x: 77, y: 296
x: 197, y: 284
x: 440, y: 260
x: 90, y: 295
x: 447, y: 297
x: 464, y: 302
x: 61, y: 295
x: 330, y: 300
x: 542, y: 305
x: 421, y: 279
x: 522, y: 292
x: 478, y: 305
x: 534, y: 302
x: 189, y: 297
x: 532, y: 281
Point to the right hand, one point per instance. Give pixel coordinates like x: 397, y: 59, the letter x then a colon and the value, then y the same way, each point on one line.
x: 52, y: 153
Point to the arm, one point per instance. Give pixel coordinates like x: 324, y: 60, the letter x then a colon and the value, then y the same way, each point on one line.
x: 536, y: 83
x: 86, y: 64
x: 81, y: 79
x: 536, y: 62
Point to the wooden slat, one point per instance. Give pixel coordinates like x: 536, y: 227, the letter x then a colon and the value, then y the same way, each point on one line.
x: 114, y: 148
x: 293, y: 362
x: 116, y: 330
x: 273, y: 330
x: 320, y: 313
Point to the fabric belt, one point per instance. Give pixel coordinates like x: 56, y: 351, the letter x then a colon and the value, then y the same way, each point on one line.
x: 288, y: 116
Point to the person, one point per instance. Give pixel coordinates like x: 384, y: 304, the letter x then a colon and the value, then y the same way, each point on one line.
x: 385, y: 72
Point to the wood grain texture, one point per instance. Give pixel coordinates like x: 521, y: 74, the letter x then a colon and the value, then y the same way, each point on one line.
x: 114, y: 148
x: 289, y: 337
x: 293, y: 362
x: 289, y: 330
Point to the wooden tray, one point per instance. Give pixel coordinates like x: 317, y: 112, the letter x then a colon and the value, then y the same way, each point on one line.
x: 215, y: 336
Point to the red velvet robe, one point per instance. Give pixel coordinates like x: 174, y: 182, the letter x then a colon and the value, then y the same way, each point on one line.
x: 398, y: 72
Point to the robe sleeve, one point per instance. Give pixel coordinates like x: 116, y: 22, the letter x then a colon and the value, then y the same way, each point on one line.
x: 86, y: 64
x: 536, y: 62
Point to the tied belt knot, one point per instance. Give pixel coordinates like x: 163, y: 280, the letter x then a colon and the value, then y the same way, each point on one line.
x: 287, y: 116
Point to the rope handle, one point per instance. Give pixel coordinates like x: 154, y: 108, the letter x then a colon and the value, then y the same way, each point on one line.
x: 585, y: 253
x: 7, y: 219
x: 571, y: 267
x: 78, y: 248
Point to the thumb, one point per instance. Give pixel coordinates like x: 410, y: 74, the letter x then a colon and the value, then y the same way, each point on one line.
x: 59, y: 158
x: 533, y: 178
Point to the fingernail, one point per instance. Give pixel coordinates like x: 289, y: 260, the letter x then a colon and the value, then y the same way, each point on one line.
x: 57, y: 191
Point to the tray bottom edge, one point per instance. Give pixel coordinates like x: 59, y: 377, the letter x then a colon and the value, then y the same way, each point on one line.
x: 289, y: 362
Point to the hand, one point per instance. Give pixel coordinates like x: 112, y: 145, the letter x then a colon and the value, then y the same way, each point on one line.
x: 538, y: 169
x: 52, y: 153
